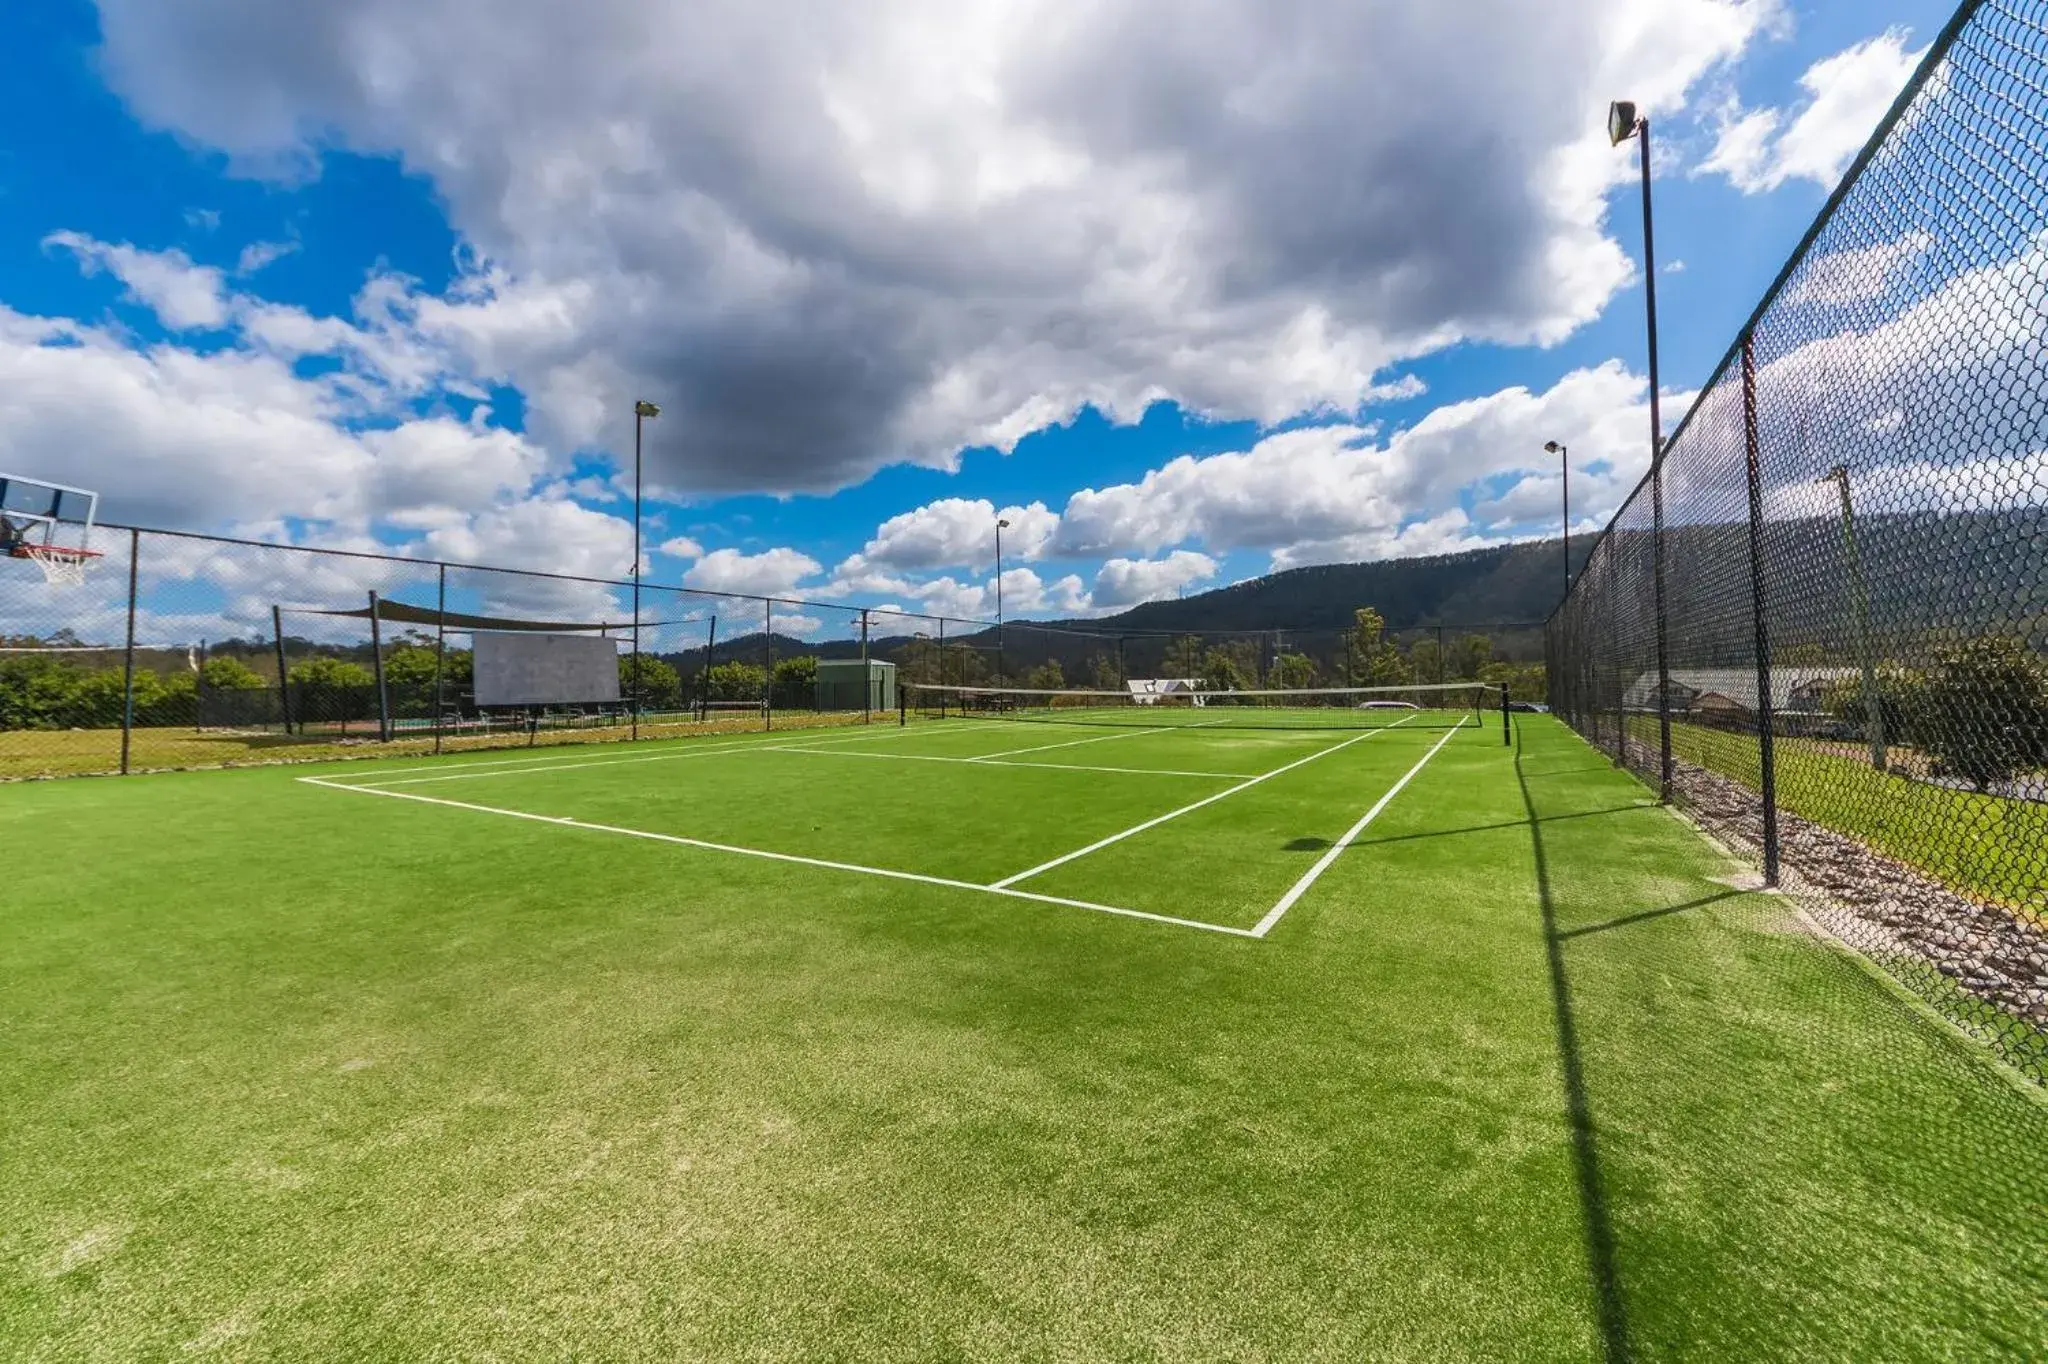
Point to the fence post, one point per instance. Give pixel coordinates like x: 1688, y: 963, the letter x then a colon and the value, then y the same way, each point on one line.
x: 440, y: 650
x: 767, y: 663
x: 1765, y: 706
x: 704, y: 678
x: 199, y: 692
x: 377, y: 662
x: 866, y: 673
x: 633, y: 692
x: 942, y: 667
x: 128, y: 653
x: 284, y: 689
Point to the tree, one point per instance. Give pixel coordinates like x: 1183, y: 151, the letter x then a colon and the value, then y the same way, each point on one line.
x: 735, y: 681
x: 1103, y: 674
x: 1984, y: 715
x: 654, y: 683
x: 1047, y: 676
x: 1525, y: 681
x: 1901, y: 701
x: 1375, y: 662
x: 1293, y: 671
x: 1184, y: 656
x: 224, y: 672
x: 1425, y: 660
x: 1468, y: 657
x: 328, y: 688
x: 1221, y: 671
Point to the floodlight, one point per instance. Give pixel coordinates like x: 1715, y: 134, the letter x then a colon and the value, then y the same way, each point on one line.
x: 644, y: 408
x: 1622, y: 121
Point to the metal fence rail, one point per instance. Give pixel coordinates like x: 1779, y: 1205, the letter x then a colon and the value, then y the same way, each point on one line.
x: 1854, y: 542
x: 187, y: 650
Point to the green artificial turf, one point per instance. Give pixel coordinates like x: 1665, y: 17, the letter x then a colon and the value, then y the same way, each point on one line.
x: 298, y: 1073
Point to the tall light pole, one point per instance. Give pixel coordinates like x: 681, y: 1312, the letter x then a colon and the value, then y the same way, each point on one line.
x: 642, y: 410
x: 1564, y: 475
x: 1623, y: 123
x: 1001, y: 525
x: 1859, y: 590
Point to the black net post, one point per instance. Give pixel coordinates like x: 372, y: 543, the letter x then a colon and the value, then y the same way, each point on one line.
x: 440, y: 651
x: 284, y: 689
x: 768, y: 663
x: 867, y: 674
x: 377, y: 664
x: 199, y: 691
x: 1507, y: 723
x: 1766, y: 718
x: 128, y: 651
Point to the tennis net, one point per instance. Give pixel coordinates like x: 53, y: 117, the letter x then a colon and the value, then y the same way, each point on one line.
x: 1444, y: 705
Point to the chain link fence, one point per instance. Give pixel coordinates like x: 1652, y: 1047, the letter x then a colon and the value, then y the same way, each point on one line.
x: 1844, y: 552
x: 185, y: 650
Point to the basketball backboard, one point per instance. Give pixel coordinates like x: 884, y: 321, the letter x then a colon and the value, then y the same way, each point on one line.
x: 48, y: 524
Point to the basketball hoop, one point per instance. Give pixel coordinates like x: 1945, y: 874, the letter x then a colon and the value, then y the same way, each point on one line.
x: 62, y: 565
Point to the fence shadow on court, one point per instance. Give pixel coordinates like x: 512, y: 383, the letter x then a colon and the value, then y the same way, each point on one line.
x: 1722, y: 1045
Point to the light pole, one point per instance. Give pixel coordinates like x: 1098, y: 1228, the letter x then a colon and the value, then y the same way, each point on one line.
x: 1873, y: 709
x: 1623, y: 123
x: 642, y: 410
x: 1564, y: 477
x: 1001, y: 525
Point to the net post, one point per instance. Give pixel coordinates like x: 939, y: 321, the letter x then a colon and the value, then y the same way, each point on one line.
x: 1765, y: 707
x: 1507, y: 736
x: 199, y: 692
x: 284, y: 689
x: 377, y: 662
x: 867, y: 674
x: 767, y: 663
x: 902, y: 706
x: 440, y: 650
x: 128, y: 651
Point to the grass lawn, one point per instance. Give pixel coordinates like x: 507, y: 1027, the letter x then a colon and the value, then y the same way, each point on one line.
x: 1989, y: 847
x: 509, y: 1062
x: 77, y: 752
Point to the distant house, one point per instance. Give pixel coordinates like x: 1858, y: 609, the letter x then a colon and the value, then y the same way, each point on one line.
x: 1150, y: 691
x: 1732, y: 691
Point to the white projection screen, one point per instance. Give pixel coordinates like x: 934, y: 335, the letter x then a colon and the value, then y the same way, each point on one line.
x: 517, y: 669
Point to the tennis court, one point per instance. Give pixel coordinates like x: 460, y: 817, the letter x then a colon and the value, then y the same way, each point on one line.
x: 1188, y: 816
x: 1150, y: 1034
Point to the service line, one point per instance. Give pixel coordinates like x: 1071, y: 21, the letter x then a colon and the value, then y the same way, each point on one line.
x: 1158, y: 820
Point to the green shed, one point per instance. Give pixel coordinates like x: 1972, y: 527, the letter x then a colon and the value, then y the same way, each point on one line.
x: 849, y: 684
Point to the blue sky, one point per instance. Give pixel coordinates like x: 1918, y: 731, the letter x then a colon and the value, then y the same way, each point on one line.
x: 1197, y: 305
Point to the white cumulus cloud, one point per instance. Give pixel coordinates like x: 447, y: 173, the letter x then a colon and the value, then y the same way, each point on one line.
x: 1846, y: 95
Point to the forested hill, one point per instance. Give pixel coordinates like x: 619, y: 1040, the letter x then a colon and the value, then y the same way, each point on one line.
x: 1508, y: 583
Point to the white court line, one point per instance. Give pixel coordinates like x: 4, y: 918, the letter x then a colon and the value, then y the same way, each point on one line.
x: 996, y: 762
x: 1323, y: 863
x: 1075, y: 743
x: 679, y: 840
x: 505, y: 767
x: 1158, y: 820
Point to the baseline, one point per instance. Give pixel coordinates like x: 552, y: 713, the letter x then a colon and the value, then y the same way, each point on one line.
x: 888, y: 873
x: 1323, y: 863
x: 1158, y: 820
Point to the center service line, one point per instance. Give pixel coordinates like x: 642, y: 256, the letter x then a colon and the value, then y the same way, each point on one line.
x: 1158, y: 820
x: 1265, y: 925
